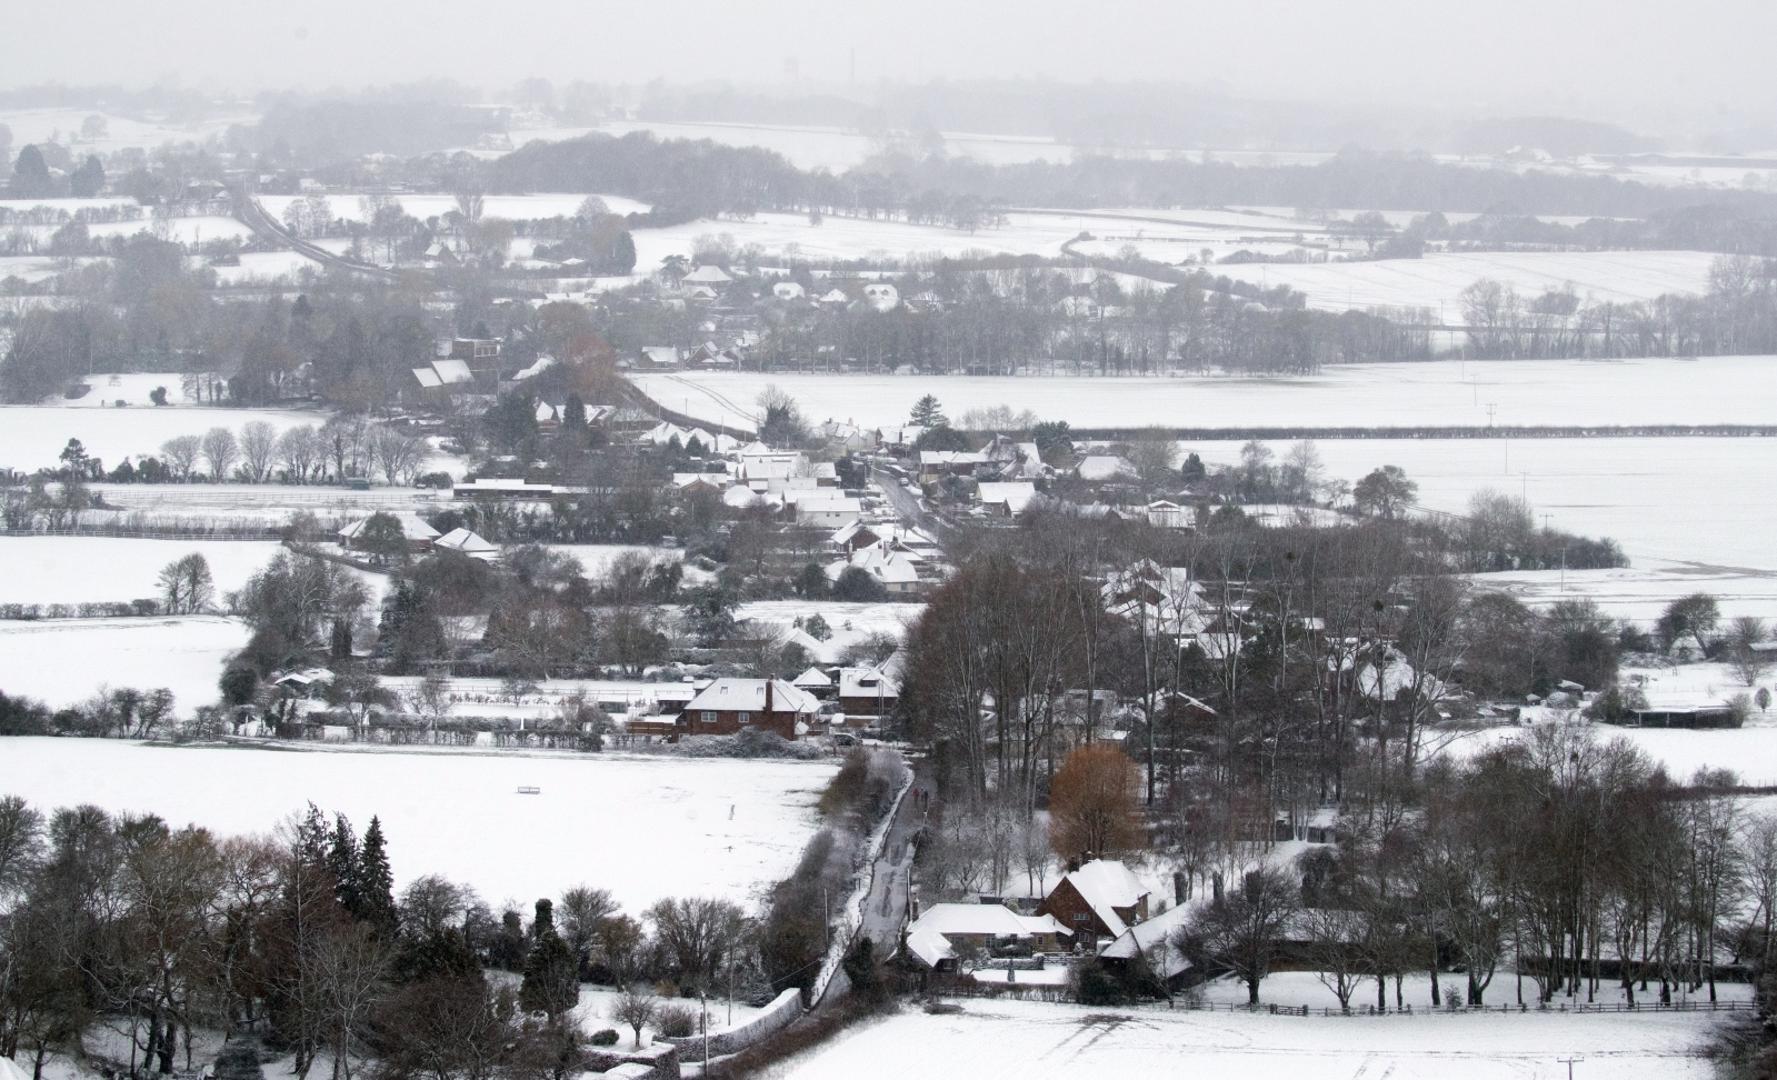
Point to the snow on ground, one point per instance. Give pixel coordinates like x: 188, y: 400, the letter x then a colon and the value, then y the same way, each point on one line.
x: 349, y: 206
x: 36, y: 269
x: 264, y: 267
x: 1639, y: 593
x: 1750, y: 752
x: 191, y: 231
x: 848, y: 623
x: 1716, y: 390
x: 644, y: 828
x: 598, y: 1003
x: 263, y: 503
x: 487, y: 697
x: 1025, y: 233
x: 80, y: 569
x: 130, y: 387
x: 1039, y: 1041
x: 596, y: 559
x: 63, y: 661
x: 121, y: 132
x: 32, y: 436
x: 1294, y: 989
x: 1684, y: 505
x: 1437, y: 280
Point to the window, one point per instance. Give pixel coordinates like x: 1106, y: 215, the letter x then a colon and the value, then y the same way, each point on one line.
x: 709, y: 717
x: 1079, y: 916
x: 745, y: 717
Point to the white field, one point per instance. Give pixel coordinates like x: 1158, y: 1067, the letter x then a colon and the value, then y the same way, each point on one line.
x: 1750, y: 752
x: 1714, y: 390
x: 1680, y: 500
x: 62, y: 662
x: 643, y: 827
x: 35, y: 269
x: 1038, y: 1041
x: 81, y: 569
x: 1640, y: 592
x: 1295, y: 989
x: 348, y: 206
x: 850, y: 623
x: 190, y: 231
x: 1437, y: 280
x: 38, y: 125
x: 263, y: 268
x: 32, y: 436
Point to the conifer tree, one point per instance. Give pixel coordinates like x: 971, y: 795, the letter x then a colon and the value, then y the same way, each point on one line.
x: 376, y: 883
x: 551, y: 973
x: 342, y: 859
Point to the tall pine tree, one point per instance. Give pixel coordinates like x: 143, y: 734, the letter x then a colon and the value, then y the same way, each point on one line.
x: 551, y: 974
x: 342, y: 859
x: 376, y: 883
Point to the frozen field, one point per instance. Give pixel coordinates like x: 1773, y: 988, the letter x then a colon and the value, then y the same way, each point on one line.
x: 32, y: 436
x: 1750, y: 752
x: 1716, y: 390
x: 1437, y: 280
x: 62, y: 662
x: 1681, y: 500
x: 644, y: 828
x: 38, y: 125
x: 1036, y: 1041
x: 79, y: 569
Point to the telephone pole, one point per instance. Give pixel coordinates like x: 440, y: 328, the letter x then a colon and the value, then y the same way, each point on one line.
x: 1569, y: 1063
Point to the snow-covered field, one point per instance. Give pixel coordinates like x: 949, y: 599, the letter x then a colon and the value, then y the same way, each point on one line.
x: 121, y: 132
x: 1668, y: 499
x: 62, y: 662
x: 642, y: 827
x: 1437, y: 280
x: 80, y: 569
x: 848, y: 623
x: 1714, y: 390
x: 1641, y: 592
x: 1749, y: 752
x: 1036, y: 1041
x: 32, y: 436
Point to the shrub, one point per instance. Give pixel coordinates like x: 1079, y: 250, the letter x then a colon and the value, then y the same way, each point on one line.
x: 604, y: 1037
x: 676, y: 1022
x: 433, y: 480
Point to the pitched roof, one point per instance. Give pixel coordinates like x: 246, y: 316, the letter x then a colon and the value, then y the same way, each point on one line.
x: 748, y: 695
x: 865, y: 682
x: 413, y: 527
x: 1016, y: 494
x: 995, y: 919
x: 814, y: 676
x: 1153, y: 939
x: 1106, y: 884
x: 427, y: 378
x: 465, y: 541
x: 927, y: 946
x: 452, y: 372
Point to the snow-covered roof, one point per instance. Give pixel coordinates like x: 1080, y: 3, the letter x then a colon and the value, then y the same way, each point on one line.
x: 660, y: 354
x: 927, y: 946
x: 1104, y: 467
x: 1015, y: 494
x: 427, y: 378
x: 951, y: 457
x: 862, y: 682
x: 1106, y: 884
x: 413, y: 527
x: 452, y: 372
x: 465, y: 541
x: 748, y: 695
x: 814, y: 676
x: 1153, y: 939
x: 708, y: 275
x: 996, y: 920
x: 538, y: 367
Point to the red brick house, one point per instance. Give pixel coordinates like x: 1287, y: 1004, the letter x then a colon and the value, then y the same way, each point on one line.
x: 866, y: 691
x: 729, y: 706
x: 1098, y: 902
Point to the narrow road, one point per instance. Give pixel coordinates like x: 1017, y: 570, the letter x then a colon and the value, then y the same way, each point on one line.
x: 249, y: 213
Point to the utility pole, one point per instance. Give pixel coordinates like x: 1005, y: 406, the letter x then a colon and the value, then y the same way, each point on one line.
x: 1569, y: 1063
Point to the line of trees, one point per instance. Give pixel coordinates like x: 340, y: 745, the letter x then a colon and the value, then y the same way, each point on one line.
x: 163, y: 932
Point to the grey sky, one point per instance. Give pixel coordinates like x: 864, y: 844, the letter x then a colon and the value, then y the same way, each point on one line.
x: 1664, y: 62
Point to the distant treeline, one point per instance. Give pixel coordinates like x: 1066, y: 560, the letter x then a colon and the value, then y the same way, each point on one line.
x: 715, y: 178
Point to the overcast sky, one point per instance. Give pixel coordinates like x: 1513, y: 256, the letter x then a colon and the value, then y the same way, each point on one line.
x: 1701, y: 61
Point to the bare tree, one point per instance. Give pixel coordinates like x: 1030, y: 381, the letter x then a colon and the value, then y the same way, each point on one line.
x: 258, y: 444
x: 348, y: 968
x: 186, y: 586
x: 182, y: 452
x: 299, y: 451
x: 220, y: 451
x: 1242, y: 931
x: 1747, y: 648
x: 398, y: 455
x: 635, y: 1009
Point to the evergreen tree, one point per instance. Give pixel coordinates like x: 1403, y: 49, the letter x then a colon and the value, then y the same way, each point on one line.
x: 88, y: 180
x: 1193, y: 469
x: 623, y: 253
x: 376, y: 883
x: 927, y: 413
x: 551, y: 973
x: 342, y: 860
x: 30, y: 176
x: 573, y: 416
x: 507, y: 950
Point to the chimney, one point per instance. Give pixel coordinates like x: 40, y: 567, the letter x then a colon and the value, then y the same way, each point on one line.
x: 768, y: 683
